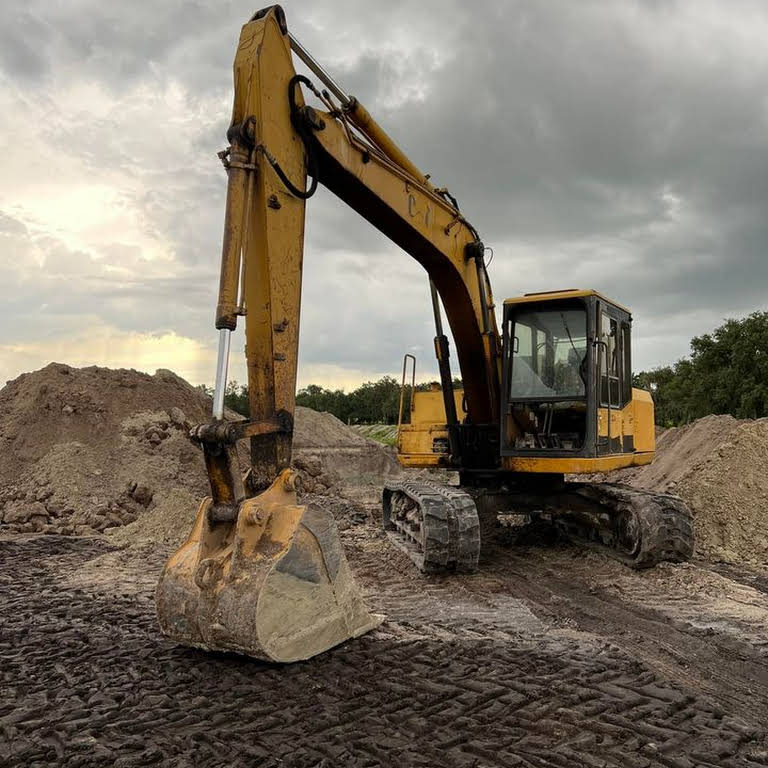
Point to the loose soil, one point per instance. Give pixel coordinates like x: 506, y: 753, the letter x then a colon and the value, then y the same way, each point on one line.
x: 548, y: 656
x: 91, y: 449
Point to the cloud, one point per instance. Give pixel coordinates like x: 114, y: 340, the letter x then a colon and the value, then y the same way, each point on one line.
x: 111, y: 347
x: 620, y: 146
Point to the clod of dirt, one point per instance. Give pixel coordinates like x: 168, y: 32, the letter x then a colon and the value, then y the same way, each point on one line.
x: 91, y: 449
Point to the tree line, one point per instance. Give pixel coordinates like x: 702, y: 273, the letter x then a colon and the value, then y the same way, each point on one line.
x: 725, y: 373
x: 374, y: 402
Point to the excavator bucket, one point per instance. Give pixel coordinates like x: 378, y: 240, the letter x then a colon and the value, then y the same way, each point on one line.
x: 273, y: 583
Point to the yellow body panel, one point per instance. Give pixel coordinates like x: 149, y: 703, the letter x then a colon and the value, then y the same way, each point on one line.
x: 415, y: 441
x: 428, y: 407
x: 644, y: 422
x: 576, y: 465
x: 422, y: 461
x: 635, y: 420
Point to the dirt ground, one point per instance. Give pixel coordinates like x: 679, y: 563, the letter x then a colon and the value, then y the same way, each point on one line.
x: 549, y: 656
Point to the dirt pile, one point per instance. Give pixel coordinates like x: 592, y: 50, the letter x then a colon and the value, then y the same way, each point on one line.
x: 323, y: 440
x: 720, y: 467
x: 84, y: 450
x: 92, y: 448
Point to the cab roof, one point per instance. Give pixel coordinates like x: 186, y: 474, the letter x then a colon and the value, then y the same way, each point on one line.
x: 566, y: 293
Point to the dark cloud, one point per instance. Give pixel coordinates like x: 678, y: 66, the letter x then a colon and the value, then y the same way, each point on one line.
x: 620, y: 146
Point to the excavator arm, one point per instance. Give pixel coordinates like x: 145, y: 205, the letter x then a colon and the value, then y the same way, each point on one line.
x: 260, y: 573
x: 274, y: 140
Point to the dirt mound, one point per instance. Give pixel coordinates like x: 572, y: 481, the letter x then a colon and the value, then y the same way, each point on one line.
x: 91, y: 448
x: 322, y: 439
x: 88, y: 449
x: 720, y: 467
x: 728, y: 493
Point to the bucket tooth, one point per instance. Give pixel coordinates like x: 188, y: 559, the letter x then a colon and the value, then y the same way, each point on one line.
x: 274, y: 583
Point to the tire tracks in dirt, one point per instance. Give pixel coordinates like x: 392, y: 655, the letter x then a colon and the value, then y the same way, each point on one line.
x: 557, y: 585
x: 453, y: 678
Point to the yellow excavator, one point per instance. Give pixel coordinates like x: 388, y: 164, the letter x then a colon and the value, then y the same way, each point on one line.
x: 549, y: 397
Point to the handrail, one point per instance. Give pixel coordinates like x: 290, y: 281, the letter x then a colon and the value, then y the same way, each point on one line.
x: 402, y: 388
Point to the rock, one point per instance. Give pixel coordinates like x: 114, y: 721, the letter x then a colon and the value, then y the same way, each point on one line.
x: 308, y: 484
x: 68, y: 409
x: 114, y: 520
x: 43, y: 494
x: 22, y: 513
x: 142, y: 495
x: 155, y: 435
x: 82, y: 530
x: 40, y: 522
x: 328, y: 479
x: 309, y: 464
x: 178, y: 418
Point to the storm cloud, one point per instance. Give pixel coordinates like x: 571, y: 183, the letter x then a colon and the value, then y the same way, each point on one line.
x: 620, y: 146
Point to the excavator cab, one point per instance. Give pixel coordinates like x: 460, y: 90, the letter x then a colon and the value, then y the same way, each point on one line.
x: 567, y: 401
x: 568, y: 405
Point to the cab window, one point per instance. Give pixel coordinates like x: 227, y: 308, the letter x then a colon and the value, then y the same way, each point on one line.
x: 609, y: 357
x: 549, y: 351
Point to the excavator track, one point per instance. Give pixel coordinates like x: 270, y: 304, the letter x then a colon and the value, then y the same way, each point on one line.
x: 435, y: 525
x: 638, y: 527
x: 438, y: 526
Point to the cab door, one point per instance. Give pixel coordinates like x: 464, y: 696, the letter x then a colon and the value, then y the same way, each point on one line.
x: 609, y: 347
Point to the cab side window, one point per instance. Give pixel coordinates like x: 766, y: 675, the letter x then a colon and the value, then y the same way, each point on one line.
x: 609, y: 357
x: 626, y: 379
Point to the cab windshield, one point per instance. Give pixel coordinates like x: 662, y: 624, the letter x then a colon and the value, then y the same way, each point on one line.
x: 549, y: 354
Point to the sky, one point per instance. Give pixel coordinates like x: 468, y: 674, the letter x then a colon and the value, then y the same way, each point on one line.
x: 620, y: 145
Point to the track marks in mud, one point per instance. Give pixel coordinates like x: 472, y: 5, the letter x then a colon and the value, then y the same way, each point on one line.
x: 88, y: 681
x: 709, y: 652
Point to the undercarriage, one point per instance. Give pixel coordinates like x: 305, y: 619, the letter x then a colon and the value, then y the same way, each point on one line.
x: 438, y: 526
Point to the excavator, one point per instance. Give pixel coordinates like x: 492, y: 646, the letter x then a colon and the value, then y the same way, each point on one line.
x: 545, y: 400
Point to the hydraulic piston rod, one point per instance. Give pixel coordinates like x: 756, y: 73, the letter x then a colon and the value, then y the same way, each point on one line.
x: 359, y: 114
x: 222, y: 365
x: 318, y: 71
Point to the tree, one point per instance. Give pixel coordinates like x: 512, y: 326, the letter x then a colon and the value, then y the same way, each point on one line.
x: 236, y: 398
x: 727, y: 372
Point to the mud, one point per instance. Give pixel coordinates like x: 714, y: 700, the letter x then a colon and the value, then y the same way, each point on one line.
x: 546, y: 657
